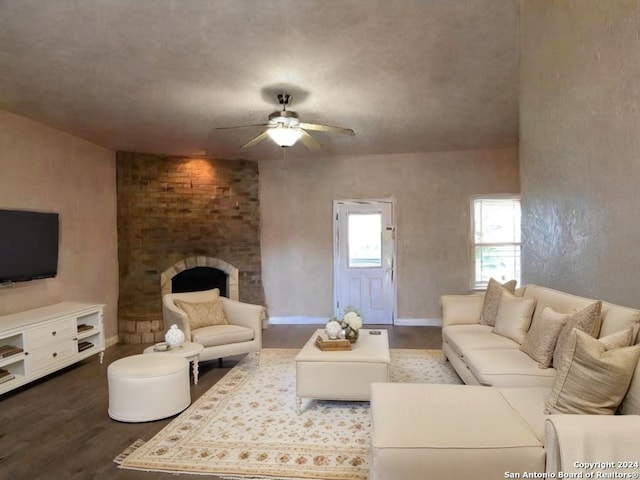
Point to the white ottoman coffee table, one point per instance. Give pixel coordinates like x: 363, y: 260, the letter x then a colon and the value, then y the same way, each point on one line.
x: 189, y: 350
x: 343, y: 375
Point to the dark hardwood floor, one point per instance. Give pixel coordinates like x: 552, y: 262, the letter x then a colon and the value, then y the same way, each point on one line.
x: 58, y: 427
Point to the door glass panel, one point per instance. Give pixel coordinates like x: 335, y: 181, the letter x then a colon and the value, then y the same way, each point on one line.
x: 365, y: 240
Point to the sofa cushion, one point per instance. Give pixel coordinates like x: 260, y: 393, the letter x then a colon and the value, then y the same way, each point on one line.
x: 616, y: 317
x: 449, y: 431
x: 591, y: 379
x: 461, y: 309
x: 587, y: 320
x: 621, y: 338
x: 514, y: 316
x: 203, y: 314
x: 492, y: 300
x: 560, y: 301
x: 541, y: 339
x: 529, y: 403
x: 507, y: 368
x: 464, y: 338
x: 215, y: 335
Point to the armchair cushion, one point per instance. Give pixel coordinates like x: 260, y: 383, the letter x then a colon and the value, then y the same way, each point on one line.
x: 203, y: 314
x: 215, y: 335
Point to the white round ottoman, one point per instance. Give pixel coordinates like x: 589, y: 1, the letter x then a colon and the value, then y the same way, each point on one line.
x: 148, y: 387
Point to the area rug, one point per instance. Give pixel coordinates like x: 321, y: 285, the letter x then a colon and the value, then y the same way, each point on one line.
x: 246, y: 425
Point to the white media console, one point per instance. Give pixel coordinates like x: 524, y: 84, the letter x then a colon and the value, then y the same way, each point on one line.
x: 37, y: 342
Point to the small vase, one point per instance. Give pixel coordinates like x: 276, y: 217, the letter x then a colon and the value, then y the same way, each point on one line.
x: 351, y: 334
x: 174, y: 337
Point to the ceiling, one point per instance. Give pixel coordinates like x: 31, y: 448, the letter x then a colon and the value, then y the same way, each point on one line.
x: 159, y: 76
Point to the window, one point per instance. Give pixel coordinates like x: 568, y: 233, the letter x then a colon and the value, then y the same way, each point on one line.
x: 495, y: 233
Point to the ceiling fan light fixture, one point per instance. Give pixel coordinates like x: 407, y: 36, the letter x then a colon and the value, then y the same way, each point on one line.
x: 284, y: 136
x: 285, y: 129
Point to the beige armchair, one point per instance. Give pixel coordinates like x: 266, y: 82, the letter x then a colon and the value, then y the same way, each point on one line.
x: 242, y: 335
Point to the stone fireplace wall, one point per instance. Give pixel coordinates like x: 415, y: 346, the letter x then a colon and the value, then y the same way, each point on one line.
x: 171, y: 209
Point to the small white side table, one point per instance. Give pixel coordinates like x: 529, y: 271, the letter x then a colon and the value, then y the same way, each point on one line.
x: 189, y: 350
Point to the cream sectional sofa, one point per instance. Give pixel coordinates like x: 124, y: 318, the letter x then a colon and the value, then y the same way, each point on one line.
x: 482, y: 357
x: 495, y: 426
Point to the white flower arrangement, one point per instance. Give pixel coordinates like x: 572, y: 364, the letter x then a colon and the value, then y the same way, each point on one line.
x: 351, y: 323
x: 352, y: 319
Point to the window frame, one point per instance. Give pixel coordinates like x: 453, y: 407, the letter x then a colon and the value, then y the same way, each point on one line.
x: 472, y: 242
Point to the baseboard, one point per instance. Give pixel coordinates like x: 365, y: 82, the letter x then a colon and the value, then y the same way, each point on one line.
x: 298, y: 320
x: 111, y: 341
x: 418, y: 322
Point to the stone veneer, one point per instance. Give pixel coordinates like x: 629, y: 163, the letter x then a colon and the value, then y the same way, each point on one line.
x: 173, y: 210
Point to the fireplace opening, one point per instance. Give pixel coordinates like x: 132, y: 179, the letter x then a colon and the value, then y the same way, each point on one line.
x: 200, y: 278
x: 200, y: 273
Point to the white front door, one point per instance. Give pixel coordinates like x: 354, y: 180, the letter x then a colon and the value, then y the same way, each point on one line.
x: 364, y: 259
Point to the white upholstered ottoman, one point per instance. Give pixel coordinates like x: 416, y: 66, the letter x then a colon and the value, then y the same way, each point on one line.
x: 342, y: 375
x: 454, y: 432
x: 148, y: 387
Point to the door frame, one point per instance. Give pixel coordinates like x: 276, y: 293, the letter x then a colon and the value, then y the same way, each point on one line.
x: 336, y: 250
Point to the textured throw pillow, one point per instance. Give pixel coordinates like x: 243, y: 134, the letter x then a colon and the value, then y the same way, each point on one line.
x: 492, y: 300
x: 514, y: 316
x: 204, y: 314
x: 621, y: 338
x: 540, y: 341
x: 588, y: 320
x: 591, y: 380
x: 631, y: 403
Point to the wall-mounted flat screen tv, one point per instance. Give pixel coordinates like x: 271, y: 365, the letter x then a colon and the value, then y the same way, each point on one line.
x: 28, y: 245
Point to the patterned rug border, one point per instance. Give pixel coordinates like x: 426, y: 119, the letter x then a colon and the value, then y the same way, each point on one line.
x: 193, y: 443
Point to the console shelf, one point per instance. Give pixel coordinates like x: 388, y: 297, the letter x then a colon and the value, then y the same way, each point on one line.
x: 49, y: 338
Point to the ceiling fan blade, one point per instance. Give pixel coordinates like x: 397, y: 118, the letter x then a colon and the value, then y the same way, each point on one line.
x: 309, y: 142
x: 318, y: 127
x: 255, y: 140
x: 244, y: 126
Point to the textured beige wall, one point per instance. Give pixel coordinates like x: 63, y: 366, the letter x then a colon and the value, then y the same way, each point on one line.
x: 44, y: 169
x: 580, y: 146
x: 432, y: 193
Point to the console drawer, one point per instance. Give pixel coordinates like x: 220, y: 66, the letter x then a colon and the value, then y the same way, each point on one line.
x: 47, y: 358
x: 53, y: 332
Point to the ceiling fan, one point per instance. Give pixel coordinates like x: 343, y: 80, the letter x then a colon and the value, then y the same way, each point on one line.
x: 285, y: 129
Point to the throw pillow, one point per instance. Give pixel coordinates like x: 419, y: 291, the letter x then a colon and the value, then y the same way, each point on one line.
x: 492, y: 300
x: 540, y: 341
x: 621, y: 338
x: 591, y: 380
x: 588, y: 320
x: 514, y: 316
x: 204, y: 314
